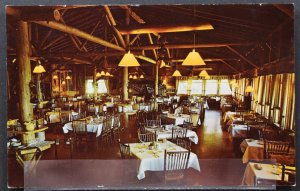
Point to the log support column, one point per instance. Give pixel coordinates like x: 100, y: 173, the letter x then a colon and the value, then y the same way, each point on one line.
x: 125, y: 70
x: 23, y: 57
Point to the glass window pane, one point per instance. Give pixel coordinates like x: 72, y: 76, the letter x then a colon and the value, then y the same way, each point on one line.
x: 89, y: 87
x: 102, y: 87
x: 196, y: 87
x: 211, y: 87
x: 182, y: 87
x: 225, y: 87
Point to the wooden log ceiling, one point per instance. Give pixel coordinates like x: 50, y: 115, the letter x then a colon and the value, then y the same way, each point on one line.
x: 234, y: 41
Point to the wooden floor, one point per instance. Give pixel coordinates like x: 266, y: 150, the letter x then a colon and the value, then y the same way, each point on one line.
x: 102, y: 167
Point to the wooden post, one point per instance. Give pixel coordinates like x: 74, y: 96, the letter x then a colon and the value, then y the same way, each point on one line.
x: 125, y: 70
x: 156, y: 79
x: 23, y: 57
x: 38, y: 88
x: 94, y: 80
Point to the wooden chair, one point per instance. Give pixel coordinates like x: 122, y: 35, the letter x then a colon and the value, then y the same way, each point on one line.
x: 188, y: 125
x: 273, y: 148
x: 147, y: 137
x: 80, y: 130
x: 184, y: 143
x: 153, y: 122
x: 175, y: 165
x: 178, y: 133
x: 124, y: 150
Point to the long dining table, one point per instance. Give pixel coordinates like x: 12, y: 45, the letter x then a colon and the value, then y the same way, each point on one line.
x: 167, y: 132
x: 94, y: 126
x: 153, y: 160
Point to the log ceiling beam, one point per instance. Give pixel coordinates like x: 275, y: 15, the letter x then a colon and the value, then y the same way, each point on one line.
x: 134, y: 39
x: 243, y: 57
x: 147, y: 28
x: 92, y: 32
x: 54, y: 41
x: 35, y: 14
x: 187, y: 46
x: 112, y: 23
x: 74, y: 31
x: 151, y: 42
x: 230, y: 66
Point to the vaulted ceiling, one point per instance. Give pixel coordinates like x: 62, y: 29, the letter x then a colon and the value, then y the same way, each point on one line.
x: 243, y: 37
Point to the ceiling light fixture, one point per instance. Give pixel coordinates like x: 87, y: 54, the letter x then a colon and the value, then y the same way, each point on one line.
x: 176, y: 73
x: 39, y: 68
x: 203, y: 73
x: 129, y: 60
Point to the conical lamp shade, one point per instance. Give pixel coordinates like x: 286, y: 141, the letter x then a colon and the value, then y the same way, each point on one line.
x: 203, y: 73
x: 176, y: 73
x: 63, y: 82
x: 102, y: 73
x: 163, y: 64
x: 39, y: 69
x: 207, y: 77
x: 130, y: 76
x: 107, y: 74
x: 193, y: 59
x: 129, y: 60
x: 142, y: 76
x: 98, y: 74
x: 134, y: 77
x: 68, y: 77
x: 249, y: 89
x: 55, y: 76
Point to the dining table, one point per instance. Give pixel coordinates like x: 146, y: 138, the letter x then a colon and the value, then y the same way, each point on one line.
x: 54, y: 116
x: 93, y: 126
x: 179, y: 118
x: 153, y: 159
x: 166, y: 133
x: 237, y: 130
x: 261, y: 171
x: 252, y: 149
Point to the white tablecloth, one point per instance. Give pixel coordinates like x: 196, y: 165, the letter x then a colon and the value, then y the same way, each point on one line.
x: 180, y: 119
x: 144, y: 107
x: 125, y: 108
x: 268, y: 172
x: 55, y: 118
x: 252, y: 149
x: 238, y: 130
x: 167, y: 134
x: 91, y: 127
x: 153, y: 160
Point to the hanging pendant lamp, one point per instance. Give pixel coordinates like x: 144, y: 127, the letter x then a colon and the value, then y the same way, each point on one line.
x: 193, y: 59
x: 98, y: 74
x: 203, y: 73
x: 39, y: 68
x: 129, y: 60
x: 142, y: 76
x: 102, y: 73
x: 134, y: 77
x: 176, y: 73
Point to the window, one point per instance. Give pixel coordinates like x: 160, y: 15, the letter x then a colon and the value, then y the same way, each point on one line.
x: 182, y: 87
x: 196, y: 87
x: 102, y: 87
x: 211, y: 87
x: 89, y: 87
x: 225, y: 88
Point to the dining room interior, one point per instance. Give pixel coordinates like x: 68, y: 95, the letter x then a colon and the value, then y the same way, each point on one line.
x: 150, y: 96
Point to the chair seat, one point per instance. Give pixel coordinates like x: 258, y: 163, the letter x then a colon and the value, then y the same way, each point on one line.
x: 283, y: 159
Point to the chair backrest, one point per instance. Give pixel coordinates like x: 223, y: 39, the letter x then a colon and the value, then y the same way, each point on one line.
x: 153, y: 122
x: 176, y: 161
x: 147, y: 137
x: 64, y: 117
x: 187, y: 125
x: 79, y: 126
x: 178, y: 133
x: 124, y: 150
x: 276, y: 148
x: 269, y: 133
x: 184, y: 143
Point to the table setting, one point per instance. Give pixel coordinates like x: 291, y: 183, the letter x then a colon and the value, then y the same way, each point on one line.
x: 152, y: 158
